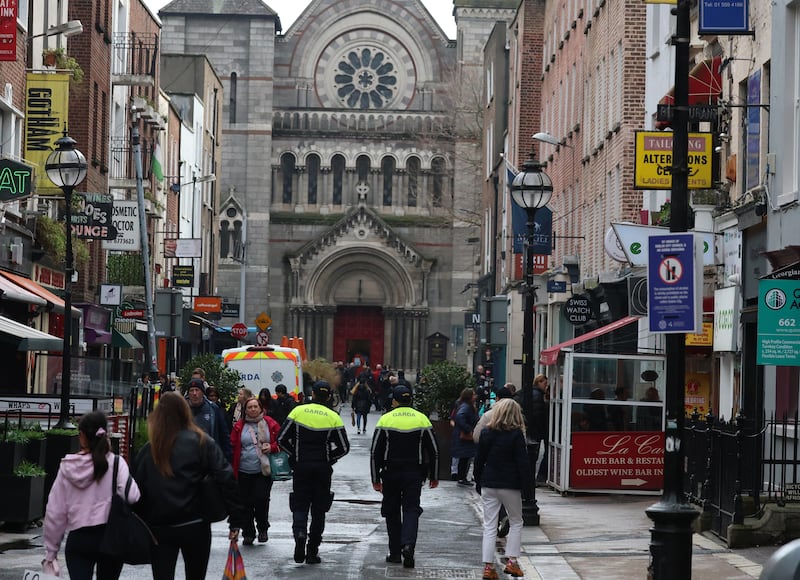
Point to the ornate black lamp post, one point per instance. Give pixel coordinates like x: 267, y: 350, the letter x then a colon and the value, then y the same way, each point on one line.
x: 530, y: 190
x: 66, y: 168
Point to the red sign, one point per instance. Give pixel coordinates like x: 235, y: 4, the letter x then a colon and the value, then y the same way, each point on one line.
x: 540, y: 265
x: 623, y: 460
x: 8, y: 30
x: 239, y: 331
x: 132, y: 313
x: 48, y: 278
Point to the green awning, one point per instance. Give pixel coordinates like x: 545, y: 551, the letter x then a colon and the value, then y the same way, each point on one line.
x: 24, y: 337
x: 124, y: 340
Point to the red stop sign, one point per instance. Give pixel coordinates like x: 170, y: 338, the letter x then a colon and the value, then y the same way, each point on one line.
x: 239, y: 330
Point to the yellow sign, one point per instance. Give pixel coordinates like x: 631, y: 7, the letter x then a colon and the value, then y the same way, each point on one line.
x: 660, y: 1
x: 705, y: 338
x: 263, y: 322
x: 653, y: 169
x: 46, y: 116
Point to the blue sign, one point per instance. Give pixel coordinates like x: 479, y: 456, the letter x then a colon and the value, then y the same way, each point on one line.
x: 556, y: 286
x: 752, y: 177
x: 542, y: 230
x: 674, y: 283
x: 731, y: 17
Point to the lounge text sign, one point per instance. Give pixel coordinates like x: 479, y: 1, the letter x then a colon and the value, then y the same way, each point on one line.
x: 622, y: 460
x: 92, y: 218
x: 653, y: 168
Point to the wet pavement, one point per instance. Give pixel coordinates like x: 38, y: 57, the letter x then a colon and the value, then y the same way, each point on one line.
x: 591, y: 537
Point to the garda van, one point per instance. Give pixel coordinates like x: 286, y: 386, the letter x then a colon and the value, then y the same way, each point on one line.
x: 266, y: 366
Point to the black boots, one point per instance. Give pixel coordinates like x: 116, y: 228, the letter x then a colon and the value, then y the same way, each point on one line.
x: 300, y: 548
x: 408, y: 556
x: 312, y: 553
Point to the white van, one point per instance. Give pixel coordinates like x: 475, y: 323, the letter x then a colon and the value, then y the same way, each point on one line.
x: 266, y: 366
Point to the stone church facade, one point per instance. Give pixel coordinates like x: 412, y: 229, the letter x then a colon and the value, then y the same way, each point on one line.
x: 349, y: 168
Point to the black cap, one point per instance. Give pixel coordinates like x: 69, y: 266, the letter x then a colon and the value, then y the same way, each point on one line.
x: 322, y: 389
x: 196, y: 384
x: 402, y: 395
x: 503, y: 393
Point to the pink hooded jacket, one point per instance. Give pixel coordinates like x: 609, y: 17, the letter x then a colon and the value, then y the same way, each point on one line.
x: 78, y: 501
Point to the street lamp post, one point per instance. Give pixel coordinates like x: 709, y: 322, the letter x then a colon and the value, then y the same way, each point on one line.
x: 671, y: 534
x: 66, y: 168
x: 530, y: 190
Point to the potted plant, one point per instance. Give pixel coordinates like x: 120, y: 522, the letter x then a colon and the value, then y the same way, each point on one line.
x: 23, y: 494
x: 60, y: 442
x: 37, y: 444
x: 58, y: 58
x: 12, y: 450
x: 440, y: 386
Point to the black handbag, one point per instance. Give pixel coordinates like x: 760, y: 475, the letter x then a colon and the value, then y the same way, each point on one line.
x: 127, y: 536
x: 212, y: 501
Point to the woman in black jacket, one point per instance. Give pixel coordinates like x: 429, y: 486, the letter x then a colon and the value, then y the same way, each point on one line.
x: 169, y: 470
x: 504, y: 477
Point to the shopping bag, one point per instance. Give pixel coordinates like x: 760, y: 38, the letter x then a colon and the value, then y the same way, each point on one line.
x: 279, y: 463
x: 36, y: 575
x: 234, y: 567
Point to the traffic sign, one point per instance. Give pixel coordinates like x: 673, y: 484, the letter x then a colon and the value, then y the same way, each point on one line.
x: 262, y: 338
x: 263, y: 322
x: 239, y: 331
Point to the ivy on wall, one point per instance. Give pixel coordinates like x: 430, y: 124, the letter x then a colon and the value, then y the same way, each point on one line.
x: 125, y: 269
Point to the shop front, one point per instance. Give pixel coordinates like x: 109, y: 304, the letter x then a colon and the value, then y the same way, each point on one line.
x: 606, y: 429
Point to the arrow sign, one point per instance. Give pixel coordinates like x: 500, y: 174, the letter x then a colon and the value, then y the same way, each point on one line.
x: 634, y: 482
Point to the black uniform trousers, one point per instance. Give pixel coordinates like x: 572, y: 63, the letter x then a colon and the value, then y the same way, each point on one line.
x: 401, y: 493
x: 311, y: 492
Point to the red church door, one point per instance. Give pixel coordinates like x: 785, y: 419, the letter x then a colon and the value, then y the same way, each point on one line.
x: 358, y: 335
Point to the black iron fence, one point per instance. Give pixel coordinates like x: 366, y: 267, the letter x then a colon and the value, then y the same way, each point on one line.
x: 734, y: 468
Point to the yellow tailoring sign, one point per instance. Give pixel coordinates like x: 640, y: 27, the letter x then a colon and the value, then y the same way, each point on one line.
x: 660, y: 1
x: 46, y: 111
x: 653, y: 169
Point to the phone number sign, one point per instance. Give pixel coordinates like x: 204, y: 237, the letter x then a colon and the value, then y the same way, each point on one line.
x: 779, y: 322
x: 617, y: 460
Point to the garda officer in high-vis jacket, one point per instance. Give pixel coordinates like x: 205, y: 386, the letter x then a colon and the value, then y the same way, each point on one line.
x: 403, y: 454
x: 314, y: 437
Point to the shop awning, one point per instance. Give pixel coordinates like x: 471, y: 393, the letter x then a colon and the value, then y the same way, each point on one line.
x: 705, y: 86
x: 124, y: 340
x: 26, y: 338
x: 11, y: 291
x: 40, y: 291
x: 549, y: 356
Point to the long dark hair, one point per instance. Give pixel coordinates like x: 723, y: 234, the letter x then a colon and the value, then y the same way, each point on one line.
x: 171, y: 416
x: 93, y: 426
x: 264, y: 399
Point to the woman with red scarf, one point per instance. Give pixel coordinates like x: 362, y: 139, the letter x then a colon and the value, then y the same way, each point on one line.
x: 253, y: 438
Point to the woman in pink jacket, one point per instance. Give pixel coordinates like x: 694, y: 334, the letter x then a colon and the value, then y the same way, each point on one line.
x: 79, y: 503
x: 253, y: 438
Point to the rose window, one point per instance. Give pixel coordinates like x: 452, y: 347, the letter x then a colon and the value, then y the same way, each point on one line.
x: 365, y: 79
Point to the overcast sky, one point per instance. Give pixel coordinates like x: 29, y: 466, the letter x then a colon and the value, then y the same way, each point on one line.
x: 289, y: 10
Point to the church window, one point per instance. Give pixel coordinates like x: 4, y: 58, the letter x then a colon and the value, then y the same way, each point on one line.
x: 312, y: 170
x: 287, y: 172
x: 387, y: 168
x: 365, y: 79
x: 412, y: 169
x: 230, y: 234
x: 337, y: 168
x: 437, y: 174
x: 362, y: 168
x: 232, y: 101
